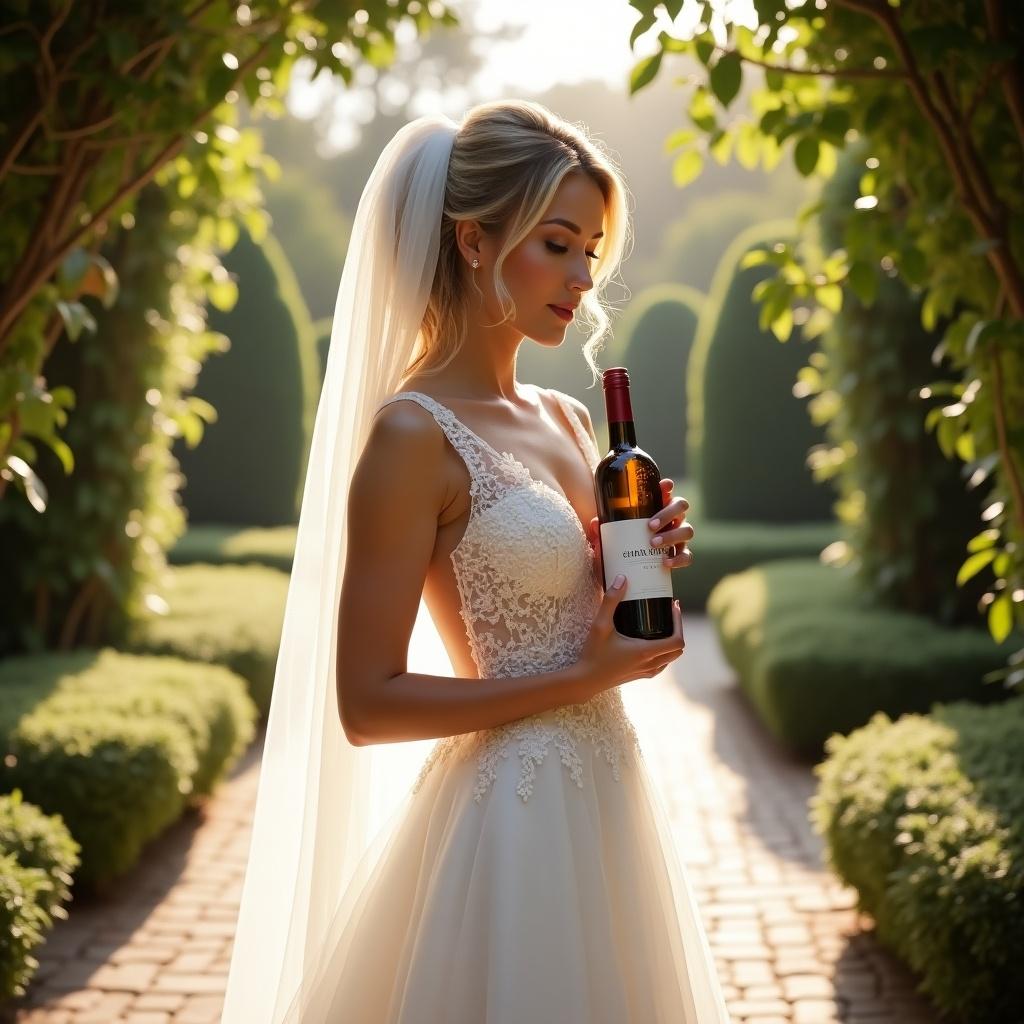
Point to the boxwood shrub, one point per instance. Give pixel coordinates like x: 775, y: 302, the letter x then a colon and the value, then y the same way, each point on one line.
x: 722, y: 549
x: 273, y: 546
x: 37, y: 858
x: 815, y: 655
x: 229, y: 615
x: 924, y: 816
x: 118, y: 744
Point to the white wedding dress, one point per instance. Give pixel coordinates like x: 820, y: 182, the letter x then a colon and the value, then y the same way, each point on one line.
x: 530, y: 877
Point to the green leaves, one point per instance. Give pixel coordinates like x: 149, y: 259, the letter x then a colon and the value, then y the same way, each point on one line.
x: 910, y: 221
x: 686, y: 167
x: 974, y: 565
x: 805, y: 155
x: 76, y: 318
x: 726, y: 77
x: 644, y: 73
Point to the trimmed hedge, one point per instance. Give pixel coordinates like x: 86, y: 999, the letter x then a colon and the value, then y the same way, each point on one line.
x: 815, y: 655
x: 657, y: 334
x: 719, y: 550
x: 37, y: 859
x: 749, y: 437
x: 723, y: 549
x: 925, y: 817
x: 322, y: 333
x: 118, y: 745
x: 229, y: 615
x: 273, y: 546
x: 249, y: 466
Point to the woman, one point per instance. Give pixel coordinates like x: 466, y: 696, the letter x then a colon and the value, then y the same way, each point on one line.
x: 528, y: 873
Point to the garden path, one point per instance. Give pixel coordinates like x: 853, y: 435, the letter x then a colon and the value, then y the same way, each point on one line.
x: 790, y: 946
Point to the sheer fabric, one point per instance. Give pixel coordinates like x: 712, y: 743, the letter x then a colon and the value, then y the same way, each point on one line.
x: 395, y: 882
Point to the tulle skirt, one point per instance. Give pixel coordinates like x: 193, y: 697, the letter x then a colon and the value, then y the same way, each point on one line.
x: 570, y: 907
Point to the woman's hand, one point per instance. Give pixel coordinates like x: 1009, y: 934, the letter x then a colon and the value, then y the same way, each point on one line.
x: 608, y: 658
x: 669, y: 529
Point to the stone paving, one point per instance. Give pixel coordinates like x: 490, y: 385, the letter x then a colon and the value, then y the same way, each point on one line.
x: 789, y: 944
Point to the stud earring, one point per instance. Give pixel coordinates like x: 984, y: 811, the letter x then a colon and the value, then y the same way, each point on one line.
x: 476, y: 263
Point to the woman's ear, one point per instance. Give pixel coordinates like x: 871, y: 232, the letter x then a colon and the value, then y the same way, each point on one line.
x: 468, y: 236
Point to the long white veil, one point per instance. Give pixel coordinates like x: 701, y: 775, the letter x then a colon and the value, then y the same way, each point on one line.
x: 322, y: 801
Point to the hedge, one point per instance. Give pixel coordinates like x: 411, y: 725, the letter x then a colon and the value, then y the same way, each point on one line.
x: 118, y: 745
x: 815, y: 655
x: 249, y: 466
x: 37, y: 859
x: 925, y: 817
x: 226, y: 544
x: 749, y: 437
x: 229, y: 615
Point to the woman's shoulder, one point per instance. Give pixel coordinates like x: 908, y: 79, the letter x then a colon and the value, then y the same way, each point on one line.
x: 565, y: 399
x: 405, y: 431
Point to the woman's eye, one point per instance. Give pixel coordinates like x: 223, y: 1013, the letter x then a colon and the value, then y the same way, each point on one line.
x: 562, y: 248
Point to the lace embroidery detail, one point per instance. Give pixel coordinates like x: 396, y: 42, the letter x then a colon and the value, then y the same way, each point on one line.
x: 529, y: 588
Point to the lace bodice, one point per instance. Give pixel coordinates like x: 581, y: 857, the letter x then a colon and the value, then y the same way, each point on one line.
x: 529, y: 589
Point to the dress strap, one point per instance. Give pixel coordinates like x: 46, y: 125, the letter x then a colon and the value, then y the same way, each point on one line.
x: 583, y: 438
x: 462, y: 439
x: 488, y: 471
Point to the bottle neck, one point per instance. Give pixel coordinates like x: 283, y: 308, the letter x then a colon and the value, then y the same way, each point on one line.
x: 621, y: 433
x: 620, y: 415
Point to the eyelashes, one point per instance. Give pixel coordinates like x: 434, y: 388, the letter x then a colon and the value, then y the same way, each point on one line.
x: 562, y: 249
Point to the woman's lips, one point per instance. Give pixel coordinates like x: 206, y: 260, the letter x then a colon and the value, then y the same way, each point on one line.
x: 564, y: 314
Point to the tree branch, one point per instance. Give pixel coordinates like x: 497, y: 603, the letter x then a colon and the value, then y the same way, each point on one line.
x: 86, y: 129
x: 985, y: 190
x: 1010, y: 76
x: 1000, y: 255
x: 1006, y: 451
x: 829, y: 72
x: 41, y: 169
x: 16, y: 299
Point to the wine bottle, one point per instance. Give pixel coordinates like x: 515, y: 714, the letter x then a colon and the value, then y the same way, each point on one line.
x: 628, y: 488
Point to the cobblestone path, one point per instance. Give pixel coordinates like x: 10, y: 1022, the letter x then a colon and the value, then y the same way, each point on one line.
x: 790, y: 947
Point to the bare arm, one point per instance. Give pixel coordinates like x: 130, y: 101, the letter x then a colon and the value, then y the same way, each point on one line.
x: 397, y: 494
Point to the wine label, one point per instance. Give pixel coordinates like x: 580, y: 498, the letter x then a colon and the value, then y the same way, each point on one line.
x: 626, y: 548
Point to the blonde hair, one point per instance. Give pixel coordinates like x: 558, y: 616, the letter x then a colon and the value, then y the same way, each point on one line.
x: 508, y: 159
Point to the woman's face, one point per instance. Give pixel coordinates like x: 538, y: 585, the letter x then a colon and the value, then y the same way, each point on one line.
x: 553, y: 265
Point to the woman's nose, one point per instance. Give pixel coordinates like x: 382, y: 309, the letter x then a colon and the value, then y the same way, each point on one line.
x: 583, y: 279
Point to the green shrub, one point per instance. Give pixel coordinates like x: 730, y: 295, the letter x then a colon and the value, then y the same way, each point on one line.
x: 37, y: 858
x: 907, y: 531
x: 118, y: 745
x: 723, y: 549
x: 694, y: 243
x: 322, y: 334
x: 116, y: 782
x: 249, y: 466
x: 233, y: 545
x: 657, y: 333
x: 24, y: 893
x: 924, y: 816
x: 815, y: 655
x: 76, y: 574
x: 313, y: 229
x: 39, y: 840
x: 229, y: 615
x: 216, y: 713
x: 749, y: 436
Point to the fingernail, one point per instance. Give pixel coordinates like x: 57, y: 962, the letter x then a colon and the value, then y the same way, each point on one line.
x: 618, y: 581
x: 654, y: 524
x: 656, y: 540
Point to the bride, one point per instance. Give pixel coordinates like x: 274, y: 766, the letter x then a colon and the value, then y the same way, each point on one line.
x: 483, y: 847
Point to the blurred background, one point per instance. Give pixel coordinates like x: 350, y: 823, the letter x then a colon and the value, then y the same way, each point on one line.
x: 823, y: 318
